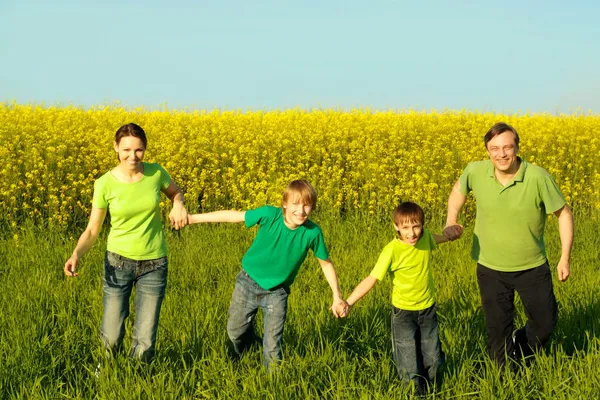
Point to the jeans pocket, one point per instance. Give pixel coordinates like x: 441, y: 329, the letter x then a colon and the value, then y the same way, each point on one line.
x: 400, y: 313
x: 116, y: 271
x: 112, y: 260
x: 159, y: 266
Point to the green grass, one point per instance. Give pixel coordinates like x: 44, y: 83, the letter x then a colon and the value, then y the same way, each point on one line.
x: 49, y: 325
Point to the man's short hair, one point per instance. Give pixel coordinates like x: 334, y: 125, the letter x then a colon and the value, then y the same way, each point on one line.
x: 497, y: 129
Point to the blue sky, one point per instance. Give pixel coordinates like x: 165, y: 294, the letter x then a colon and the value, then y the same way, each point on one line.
x: 502, y: 56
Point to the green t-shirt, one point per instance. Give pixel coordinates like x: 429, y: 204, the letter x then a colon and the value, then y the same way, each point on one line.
x: 510, y: 221
x: 277, y: 252
x: 136, y: 226
x: 410, y: 266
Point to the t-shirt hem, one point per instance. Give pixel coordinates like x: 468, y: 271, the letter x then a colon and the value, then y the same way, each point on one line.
x: 413, y: 307
x: 512, y: 269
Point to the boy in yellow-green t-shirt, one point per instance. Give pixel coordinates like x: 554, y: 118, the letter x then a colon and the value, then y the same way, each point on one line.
x: 416, y: 345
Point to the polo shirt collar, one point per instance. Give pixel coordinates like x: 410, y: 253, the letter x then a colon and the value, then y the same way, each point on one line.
x: 519, y: 176
x: 521, y: 172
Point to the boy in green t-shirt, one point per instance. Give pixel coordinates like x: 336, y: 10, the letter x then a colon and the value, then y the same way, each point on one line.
x: 271, y: 264
x: 416, y: 345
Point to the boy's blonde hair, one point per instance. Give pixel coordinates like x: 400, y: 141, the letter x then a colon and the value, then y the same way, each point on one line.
x: 300, y: 189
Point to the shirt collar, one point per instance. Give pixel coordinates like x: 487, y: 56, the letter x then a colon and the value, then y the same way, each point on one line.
x: 519, y: 176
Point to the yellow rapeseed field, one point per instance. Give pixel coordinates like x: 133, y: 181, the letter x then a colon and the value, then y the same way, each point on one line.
x: 359, y: 160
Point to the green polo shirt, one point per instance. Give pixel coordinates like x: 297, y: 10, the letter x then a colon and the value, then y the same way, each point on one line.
x: 510, y: 221
x: 277, y: 251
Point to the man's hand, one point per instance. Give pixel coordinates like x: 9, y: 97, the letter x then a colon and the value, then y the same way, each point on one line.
x: 564, y: 270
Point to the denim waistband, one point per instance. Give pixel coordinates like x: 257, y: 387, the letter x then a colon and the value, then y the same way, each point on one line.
x: 130, y: 261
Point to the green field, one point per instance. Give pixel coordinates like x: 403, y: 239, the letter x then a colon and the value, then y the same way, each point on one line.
x: 49, y: 325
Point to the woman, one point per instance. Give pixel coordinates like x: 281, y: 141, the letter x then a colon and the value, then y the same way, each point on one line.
x: 136, y: 247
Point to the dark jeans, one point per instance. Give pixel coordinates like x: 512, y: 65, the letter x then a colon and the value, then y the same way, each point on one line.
x: 247, y: 298
x: 416, y: 346
x: 497, y: 290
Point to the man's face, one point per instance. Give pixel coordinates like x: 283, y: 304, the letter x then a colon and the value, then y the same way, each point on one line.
x: 503, y: 152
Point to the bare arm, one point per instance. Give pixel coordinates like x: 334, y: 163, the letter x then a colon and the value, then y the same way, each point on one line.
x: 178, y: 214
x: 86, y: 240
x: 217, y: 216
x: 339, y: 307
x: 362, y: 289
x: 439, y: 238
x: 565, y: 230
x: 458, y: 229
x: 456, y: 201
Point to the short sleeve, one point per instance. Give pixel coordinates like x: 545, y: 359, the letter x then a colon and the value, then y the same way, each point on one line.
x: 99, y: 197
x: 165, y: 178
x: 318, y: 246
x: 257, y: 216
x: 383, y: 263
x: 550, y: 193
x: 429, y: 241
x: 465, y: 180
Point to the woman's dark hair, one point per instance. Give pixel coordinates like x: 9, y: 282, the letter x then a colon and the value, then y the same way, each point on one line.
x: 131, y: 129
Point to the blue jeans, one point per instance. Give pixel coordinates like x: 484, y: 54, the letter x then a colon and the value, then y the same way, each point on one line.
x: 247, y: 298
x: 416, y: 346
x: 120, y: 275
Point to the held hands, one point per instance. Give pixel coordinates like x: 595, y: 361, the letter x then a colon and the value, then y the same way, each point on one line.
x: 178, y: 216
x: 453, y: 232
x: 340, y: 308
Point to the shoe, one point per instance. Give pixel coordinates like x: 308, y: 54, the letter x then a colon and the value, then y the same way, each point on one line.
x: 97, y: 372
x: 522, y: 351
x: 515, y: 352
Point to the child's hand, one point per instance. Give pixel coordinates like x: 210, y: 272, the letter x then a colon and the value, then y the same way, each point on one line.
x: 344, y: 310
x: 453, y: 232
x: 340, y: 308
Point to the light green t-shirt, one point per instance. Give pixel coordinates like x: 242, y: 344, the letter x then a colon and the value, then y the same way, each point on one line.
x: 277, y: 252
x: 410, y: 267
x: 510, y: 221
x: 136, y: 226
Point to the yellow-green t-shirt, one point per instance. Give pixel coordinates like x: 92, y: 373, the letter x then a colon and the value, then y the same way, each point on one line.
x: 136, y: 225
x: 410, y: 267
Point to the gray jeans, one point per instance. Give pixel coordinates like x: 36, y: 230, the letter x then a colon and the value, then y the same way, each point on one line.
x: 247, y: 298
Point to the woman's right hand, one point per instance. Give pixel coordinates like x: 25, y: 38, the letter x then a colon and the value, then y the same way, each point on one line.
x: 70, y: 266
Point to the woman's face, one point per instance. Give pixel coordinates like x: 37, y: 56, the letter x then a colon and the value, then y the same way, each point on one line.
x: 131, y: 151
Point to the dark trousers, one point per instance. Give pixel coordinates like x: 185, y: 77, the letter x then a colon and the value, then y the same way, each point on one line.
x: 497, y: 290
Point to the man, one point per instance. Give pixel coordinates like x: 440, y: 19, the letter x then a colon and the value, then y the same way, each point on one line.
x: 512, y: 198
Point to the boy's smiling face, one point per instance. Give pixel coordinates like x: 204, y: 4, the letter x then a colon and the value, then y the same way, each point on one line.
x: 410, y: 231
x: 296, y: 212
